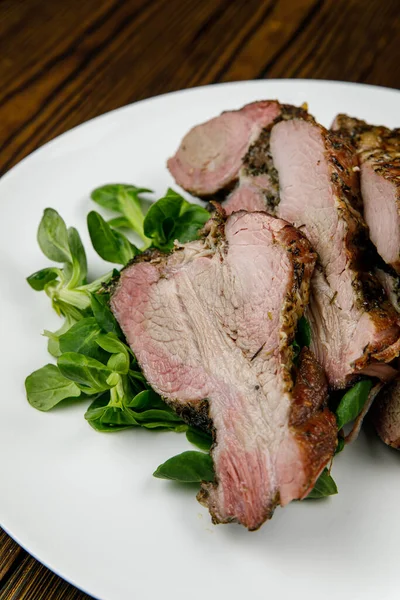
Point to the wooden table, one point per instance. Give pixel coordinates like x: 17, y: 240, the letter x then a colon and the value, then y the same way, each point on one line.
x: 63, y: 62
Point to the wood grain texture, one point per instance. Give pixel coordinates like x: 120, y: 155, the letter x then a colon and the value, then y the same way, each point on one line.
x: 32, y: 580
x: 10, y: 556
x: 62, y: 63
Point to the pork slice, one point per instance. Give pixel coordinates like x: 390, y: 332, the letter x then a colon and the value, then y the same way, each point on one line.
x: 386, y: 414
x: 354, y: 325
x: 210, y: 155
x: 212, y: 326
x: 378, y: 149
x: 320, y: 193
x: 258, y: 184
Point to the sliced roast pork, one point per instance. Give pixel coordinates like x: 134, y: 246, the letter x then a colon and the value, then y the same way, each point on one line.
x: 229, y: 156
x: 210, y: 156
x: 304, y: 174
x: 354, y: 324
x: 378, y: 149
x: 386, y: 414
x: 258, y: 184
x: 212, y: 326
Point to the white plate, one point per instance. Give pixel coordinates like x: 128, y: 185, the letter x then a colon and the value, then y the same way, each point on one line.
x: 85, y: 503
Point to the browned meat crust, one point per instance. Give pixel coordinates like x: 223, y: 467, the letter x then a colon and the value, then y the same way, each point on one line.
x: 375, y: 142
x: 310, y: 418
x: 377, y: 145
x: 385, y: 414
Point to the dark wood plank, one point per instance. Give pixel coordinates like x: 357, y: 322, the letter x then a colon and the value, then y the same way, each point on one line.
x: 62, y: 63
x: 132, y: 50
x: 129, y: 52
x: 32, y: 581
x: 10, y: 556
x: 272, y: 38
x: 19, y: 20
x: 345, y: 40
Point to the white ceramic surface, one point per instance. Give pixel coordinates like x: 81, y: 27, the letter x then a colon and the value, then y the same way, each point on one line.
x: 85, y: 503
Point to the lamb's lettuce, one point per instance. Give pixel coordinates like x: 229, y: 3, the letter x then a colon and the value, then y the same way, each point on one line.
x: 188, y: 467
x: 93, y: 360
x: 325, y: 486
x: 126, y: 200
x: 353, y: 402
x: 47, y: 387
x: 173, y: 218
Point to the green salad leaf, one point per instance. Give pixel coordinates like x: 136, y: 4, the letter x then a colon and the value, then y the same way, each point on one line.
x: 47, y: 387
x: 112, y: 344
x: 53, y: 344
x: 78, y: 256
x: 144, y: 400
x: 353, y: 402
x: 303, y: 333
x: 102, y: 416
x: 168, y: 219
x: 38, y: 280
x: 103, y: 315
x: 152, y: 412
x: 110, y: 244
x: 171, y: 218
x: 148, y: 411
x: 160, y: 419
x: 82, y: 338
x: 302, y: 338
x: 340, y: 445
x: 119, y: 363
x: 53, y: 237
x: 66, y: 285
x: 88, y: 373
x: 119, y: 223
x: 325, y: 486
x: 188, y: 467
x: 199, y: 438
x: 124, y: 199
